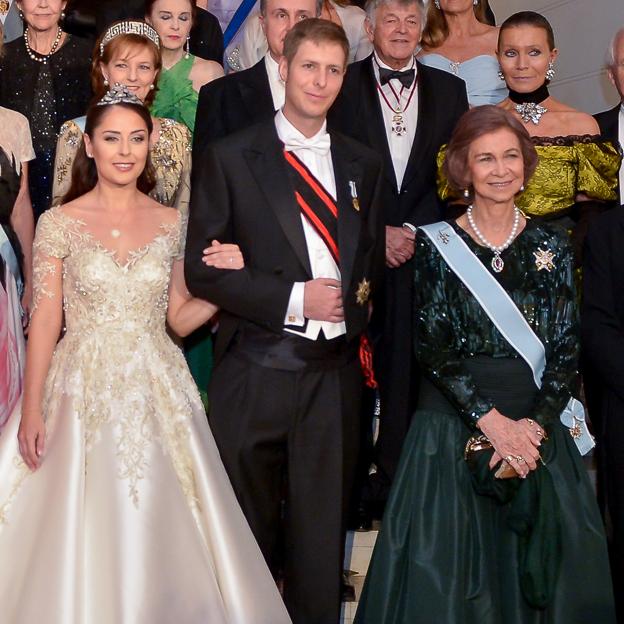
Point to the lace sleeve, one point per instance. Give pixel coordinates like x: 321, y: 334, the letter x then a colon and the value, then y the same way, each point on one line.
x: 183, y: 194
x: 181, y: 243
x: 51, y: 245
x: 67, y: 146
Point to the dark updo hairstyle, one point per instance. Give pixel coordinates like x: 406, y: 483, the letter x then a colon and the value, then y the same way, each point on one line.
x: 84, y: 173
x: 474, y: 124
x: 436, y: 30
x: 115, y: 48
x: 528, y: 18
x: 149, y: 5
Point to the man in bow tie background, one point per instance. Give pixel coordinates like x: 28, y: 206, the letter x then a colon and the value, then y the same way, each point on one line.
x: 405, y: 111
x: 303, y: 205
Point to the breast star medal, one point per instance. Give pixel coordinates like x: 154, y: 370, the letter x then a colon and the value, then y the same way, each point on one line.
x: 362, y: 294
x: 544, y: 259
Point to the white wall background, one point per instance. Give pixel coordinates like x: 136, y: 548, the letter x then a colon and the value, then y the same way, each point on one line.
x: 583, y: 29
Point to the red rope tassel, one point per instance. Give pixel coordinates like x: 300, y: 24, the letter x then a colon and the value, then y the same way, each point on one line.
x: 366, y: 360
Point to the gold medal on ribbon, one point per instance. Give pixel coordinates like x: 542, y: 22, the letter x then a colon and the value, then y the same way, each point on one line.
x: 362, y: 294
x: 4, y: 7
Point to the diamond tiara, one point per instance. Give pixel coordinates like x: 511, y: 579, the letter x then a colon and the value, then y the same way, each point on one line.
x: 119, y: 94
x: 142, y: 29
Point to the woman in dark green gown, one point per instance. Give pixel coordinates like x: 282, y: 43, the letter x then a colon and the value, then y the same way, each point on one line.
x: 446, y: 554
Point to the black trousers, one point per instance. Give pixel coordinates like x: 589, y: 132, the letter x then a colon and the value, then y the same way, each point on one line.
x: 289, y: 441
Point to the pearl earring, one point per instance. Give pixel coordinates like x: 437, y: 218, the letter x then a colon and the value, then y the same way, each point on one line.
x: 466, y: 193
x: 188, y: 47
x: 550, y: 72
x: 501, y: 75
x: 522, y: 188
x: 151, y: 87
x: 106, y: 83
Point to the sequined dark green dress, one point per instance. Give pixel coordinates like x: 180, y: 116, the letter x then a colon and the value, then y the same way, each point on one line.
x: 445, y: 554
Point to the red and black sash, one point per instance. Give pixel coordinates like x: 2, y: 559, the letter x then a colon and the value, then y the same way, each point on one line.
x: 316, y: 204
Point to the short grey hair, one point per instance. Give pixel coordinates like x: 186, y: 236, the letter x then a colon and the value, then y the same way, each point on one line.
x: 319, y: 7
x: 610, y: 59
x: 372, y: 6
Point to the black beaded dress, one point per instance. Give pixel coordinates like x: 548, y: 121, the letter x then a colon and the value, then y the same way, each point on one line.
x: 447, y: 554
x: 47, y: 94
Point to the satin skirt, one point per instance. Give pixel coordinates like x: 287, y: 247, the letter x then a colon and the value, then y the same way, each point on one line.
x: 131, y: 518
x: 445, y: 555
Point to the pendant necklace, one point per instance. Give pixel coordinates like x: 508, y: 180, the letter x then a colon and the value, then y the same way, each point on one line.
x: 115, y: 232
x: 497, y: 262
x: 528, y: 105
x: 397, y: 125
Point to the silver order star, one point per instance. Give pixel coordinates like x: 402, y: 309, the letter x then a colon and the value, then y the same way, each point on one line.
x: 544, y: 259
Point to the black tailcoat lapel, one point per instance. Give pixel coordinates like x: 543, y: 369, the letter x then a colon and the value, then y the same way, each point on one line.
x: 266, y: 161
x: 255, y: 91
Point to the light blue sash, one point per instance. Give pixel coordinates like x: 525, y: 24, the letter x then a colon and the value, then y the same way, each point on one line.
x: 507, y: 318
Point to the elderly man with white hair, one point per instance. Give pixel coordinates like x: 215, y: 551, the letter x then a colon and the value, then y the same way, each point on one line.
x: 405, y: 111
x: 603, y: 334
x: 611, y: 122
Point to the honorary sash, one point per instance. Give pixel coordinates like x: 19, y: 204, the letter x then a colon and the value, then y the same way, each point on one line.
x: 316, y: 204
x: 507, y: 318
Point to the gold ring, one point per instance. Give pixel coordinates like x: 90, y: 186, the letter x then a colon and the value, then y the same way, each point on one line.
x: 520, y: 459
x: 509, y: 458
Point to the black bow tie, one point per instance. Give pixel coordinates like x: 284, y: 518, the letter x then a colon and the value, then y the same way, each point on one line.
x: 406, y: 77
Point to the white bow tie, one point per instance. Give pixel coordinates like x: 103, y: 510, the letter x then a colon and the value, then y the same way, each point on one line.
x: 319, y: 144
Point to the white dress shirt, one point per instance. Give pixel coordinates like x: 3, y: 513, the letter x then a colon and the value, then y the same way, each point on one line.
x: 621, y: 139
x: 400, y: 146
x: 321, y: 261
x: 278, y: 92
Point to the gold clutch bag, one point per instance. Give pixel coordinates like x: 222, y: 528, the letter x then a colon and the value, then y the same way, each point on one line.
x: 476, y: 447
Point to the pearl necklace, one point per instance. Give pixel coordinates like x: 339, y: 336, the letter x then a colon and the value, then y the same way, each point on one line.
x: 497, y: 261
x: 44, y: 57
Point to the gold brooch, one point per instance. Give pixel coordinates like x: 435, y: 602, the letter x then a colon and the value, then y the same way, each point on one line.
x: 544, y: 259
x: 362, y: 294
x: 4, y: 7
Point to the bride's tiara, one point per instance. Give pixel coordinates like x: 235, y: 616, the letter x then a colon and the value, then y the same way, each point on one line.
x: 119, y: 94
x: 130, y: 27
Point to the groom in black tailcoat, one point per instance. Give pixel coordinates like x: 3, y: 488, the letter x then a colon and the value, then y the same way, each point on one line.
x: 303, y: 206
x: 405, y: 111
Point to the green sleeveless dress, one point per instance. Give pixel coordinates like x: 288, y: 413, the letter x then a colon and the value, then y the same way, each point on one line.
x: 176, y: 98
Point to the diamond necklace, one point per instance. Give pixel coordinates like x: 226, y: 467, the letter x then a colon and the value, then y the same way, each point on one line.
x: 44, y: 57
x: 497, y: 261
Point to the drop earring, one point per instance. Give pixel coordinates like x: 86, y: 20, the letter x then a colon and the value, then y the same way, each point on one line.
x: 522, y: 188
x: 106, y: 83
x: 550, y: 72
x: 188, y: 47
x: 501, y: 75
x: 466, y: 193
x: 437, y: 4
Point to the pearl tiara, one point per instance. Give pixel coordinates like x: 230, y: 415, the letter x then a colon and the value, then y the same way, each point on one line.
x: 119, y: 94
x: 142, y: 29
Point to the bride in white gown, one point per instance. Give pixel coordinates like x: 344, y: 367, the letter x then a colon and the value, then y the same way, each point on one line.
x: 115, y: 507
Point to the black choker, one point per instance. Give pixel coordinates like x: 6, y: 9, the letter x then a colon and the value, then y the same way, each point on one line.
x: 535, y: 97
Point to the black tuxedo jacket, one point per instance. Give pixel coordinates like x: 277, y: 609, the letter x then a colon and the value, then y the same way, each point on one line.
x: 230, y: 104
x: 441, y: 102
x: 243, y: 194
x: 603, y: 303
x: 608, y: 122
